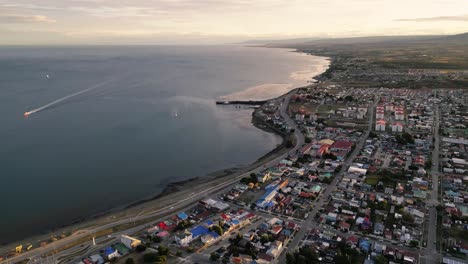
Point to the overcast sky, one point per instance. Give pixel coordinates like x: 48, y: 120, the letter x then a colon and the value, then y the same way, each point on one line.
x: 221, y: 21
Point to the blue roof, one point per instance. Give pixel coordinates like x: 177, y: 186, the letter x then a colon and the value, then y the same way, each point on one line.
x: 364, y: 244
x: 182, y: 215
x: 260, y: 201
x: 235, y: 222
x: 209, y: 223
x: 199, y: 231
x: 109, y: 250
x: 213, y: 234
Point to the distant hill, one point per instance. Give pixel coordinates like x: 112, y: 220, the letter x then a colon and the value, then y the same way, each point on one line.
x: 364, y: 40
x: 370, y: 40
x: 453, y: 38
x: 277, y: 41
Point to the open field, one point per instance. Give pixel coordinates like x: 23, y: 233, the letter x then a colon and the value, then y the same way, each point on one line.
x: 439, y: 62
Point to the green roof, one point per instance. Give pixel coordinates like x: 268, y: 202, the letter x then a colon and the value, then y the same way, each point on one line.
x: 420, y: 194
x: 316, y: 188
x: 121, y: 248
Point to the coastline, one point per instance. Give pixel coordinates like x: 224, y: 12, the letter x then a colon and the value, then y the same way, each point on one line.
x: 173, y: 190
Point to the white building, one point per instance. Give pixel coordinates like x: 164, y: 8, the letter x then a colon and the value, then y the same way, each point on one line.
x: 397, y: 127
x: 380, y: 125
x: 129, y: 242
x: 379, y: 114
x: 184, y: 239
x: 300, y: 117
x: 399, y: 113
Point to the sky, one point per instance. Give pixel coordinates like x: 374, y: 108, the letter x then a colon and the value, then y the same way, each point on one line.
x: 29, y: 22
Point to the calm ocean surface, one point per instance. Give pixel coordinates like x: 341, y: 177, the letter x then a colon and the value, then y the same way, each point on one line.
x: 150, y: 121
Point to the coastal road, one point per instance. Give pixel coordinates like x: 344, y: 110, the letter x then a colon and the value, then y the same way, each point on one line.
x: 176, y: 206
x: 322, y: 198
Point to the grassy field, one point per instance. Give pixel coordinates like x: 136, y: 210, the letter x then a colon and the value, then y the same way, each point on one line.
x: 403, y: 63
x: 372, y: 180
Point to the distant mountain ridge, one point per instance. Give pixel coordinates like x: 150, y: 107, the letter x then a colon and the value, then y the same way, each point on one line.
x: 368, y: 40
x: 277, y: 41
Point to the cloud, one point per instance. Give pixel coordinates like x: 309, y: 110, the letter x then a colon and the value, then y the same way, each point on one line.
x: 13, y: 19
x: 463, y: 18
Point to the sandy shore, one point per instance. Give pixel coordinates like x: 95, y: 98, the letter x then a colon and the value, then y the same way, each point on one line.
x: 298, y: 78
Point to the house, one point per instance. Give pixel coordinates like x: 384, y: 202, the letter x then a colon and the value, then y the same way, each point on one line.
x: 130, y: 242
x: 397, y: 127
x: 380, y: 125
x: 399, y: 113
x: 344, y: 226
x: 111, y: 253
x: 263, y: 177
x: 97, y: 259
x: 378, y: 229
x: 184, y: 239
x: 275, y: 249
x: 364, y: 245
x: 352, y: 241
x: 341, y: 145
x: 379, y: 114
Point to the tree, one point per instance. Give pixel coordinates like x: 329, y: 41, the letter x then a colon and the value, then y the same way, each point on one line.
x: 414, y: 243
x: 408, y: 137
x: 307, y: 140
x: 381, y: 260
x: 304, y: 255
x: 129, y: 261
x: 182, y: 225
x: 214, y: 256
x: 407, y: 217
x: 140, y: 248
x: 161, y: 259
x: 342, y: 259
x: 218, y: 230
x: 329, y: 156
x: 156, y: 239
x: 264, y: 238
x: 349, y: 98
x: 163, y: 251
x: 289, y: 144
x: 179, y: 253
x: 253, y: 178
x: 372, y: 134
x: 149, y: 257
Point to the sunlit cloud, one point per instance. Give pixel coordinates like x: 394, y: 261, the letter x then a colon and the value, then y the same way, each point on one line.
x: 14, y: 19
x: 234, y: 19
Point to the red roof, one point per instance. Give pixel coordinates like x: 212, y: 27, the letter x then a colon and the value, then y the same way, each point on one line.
x: 381, y: 121
x: 225, y: 217
x: 345, y: 225
x: 342, y: 144
x: 305, y: 195
x: 250, y: 215
x: 353, y: 239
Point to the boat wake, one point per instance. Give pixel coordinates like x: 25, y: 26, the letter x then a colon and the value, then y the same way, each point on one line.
x: 55, y: 102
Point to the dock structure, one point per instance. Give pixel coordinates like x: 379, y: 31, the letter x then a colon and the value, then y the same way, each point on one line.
x: 240, y: 102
